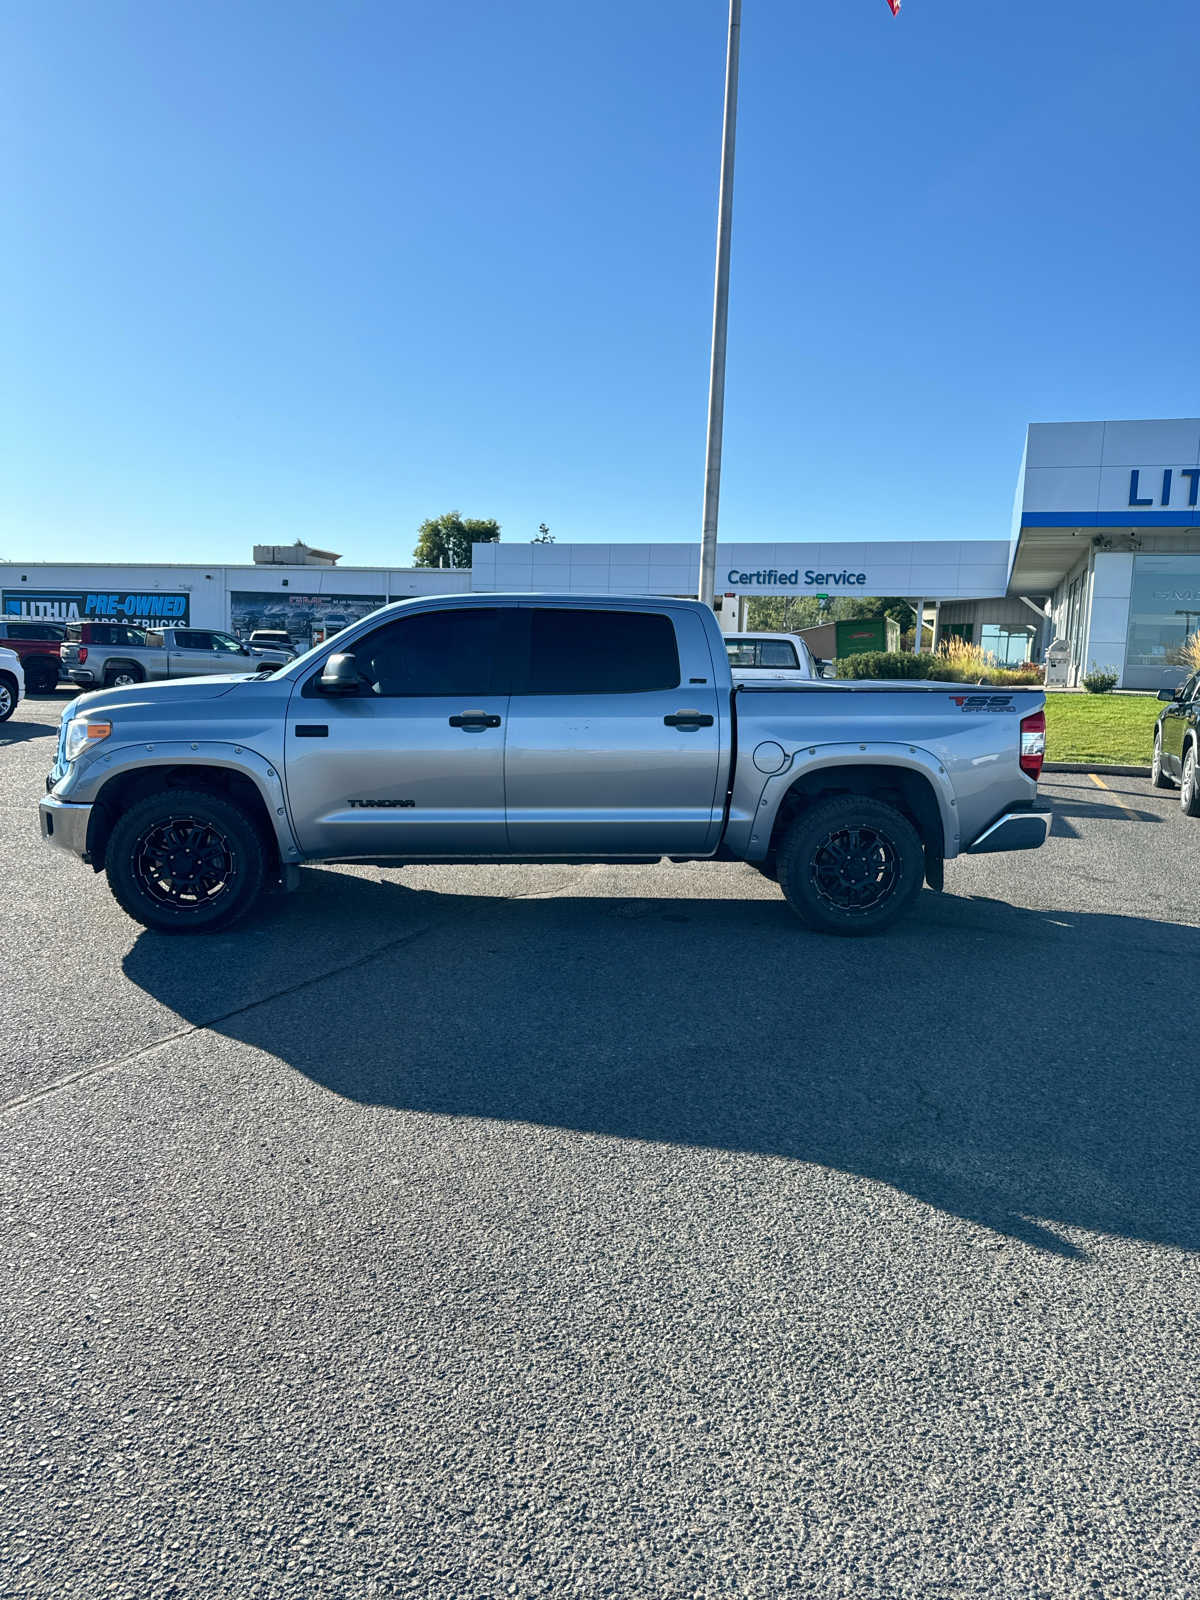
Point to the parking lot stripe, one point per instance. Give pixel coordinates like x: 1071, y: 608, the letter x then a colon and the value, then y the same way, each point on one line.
x: 1100, y: 784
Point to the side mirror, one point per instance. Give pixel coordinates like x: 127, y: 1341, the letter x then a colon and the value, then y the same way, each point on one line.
x: 340, y: 676
x: 1168, y: 694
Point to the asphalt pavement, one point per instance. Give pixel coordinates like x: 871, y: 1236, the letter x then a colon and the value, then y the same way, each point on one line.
x: 466, y: 1233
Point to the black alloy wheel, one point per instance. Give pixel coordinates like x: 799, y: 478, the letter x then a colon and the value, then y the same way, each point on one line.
x: 854, y: 869
x: 851, y: 865
x: 185, y: 860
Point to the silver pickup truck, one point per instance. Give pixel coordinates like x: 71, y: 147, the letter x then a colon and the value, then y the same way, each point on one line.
x: 539, y: 728
x: 115, y: 655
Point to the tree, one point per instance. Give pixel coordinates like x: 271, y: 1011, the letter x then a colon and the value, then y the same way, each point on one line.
x: 544, y: 536
x: 446, y: 541
x: 785, y: 613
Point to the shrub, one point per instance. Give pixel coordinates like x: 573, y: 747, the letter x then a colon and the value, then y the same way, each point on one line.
x: 898, y: 664
x: 1100, y: 680
x: 968, y: 661
x: 1188, y: 654
x: 966, y: 666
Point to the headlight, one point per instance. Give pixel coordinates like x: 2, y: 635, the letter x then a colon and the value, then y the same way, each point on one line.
x: 82, y: 732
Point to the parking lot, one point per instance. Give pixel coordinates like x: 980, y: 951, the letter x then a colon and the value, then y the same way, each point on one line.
x: 600, y: 1232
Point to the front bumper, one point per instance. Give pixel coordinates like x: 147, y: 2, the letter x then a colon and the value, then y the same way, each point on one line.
x: 1015, y: 830
x: 64, y: 824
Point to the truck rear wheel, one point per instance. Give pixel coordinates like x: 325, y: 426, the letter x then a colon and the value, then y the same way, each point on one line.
x: 120, y: 677
x: 41, y: 677
x: 185, y: 861
x: 851, y: 865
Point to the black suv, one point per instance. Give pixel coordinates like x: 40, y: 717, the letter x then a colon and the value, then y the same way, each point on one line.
x: 1176, y: 737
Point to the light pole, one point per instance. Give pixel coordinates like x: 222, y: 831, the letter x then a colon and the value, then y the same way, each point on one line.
x: 716, y: 383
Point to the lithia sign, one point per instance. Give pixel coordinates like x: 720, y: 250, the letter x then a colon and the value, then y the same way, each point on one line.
x: 1139, y: 497
x: 78, y: 605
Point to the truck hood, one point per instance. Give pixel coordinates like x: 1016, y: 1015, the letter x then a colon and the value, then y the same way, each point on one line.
x: 174, y: 691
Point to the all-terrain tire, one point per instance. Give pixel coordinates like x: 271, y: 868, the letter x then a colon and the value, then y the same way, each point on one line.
x: 1158, y: 777
x: 851, y: 865
x: 185, y: 861
x: 1189, y: 785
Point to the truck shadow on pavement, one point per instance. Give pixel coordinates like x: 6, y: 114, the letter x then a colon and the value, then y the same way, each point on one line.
x: 1007, y: 1066
x: 18, y: 732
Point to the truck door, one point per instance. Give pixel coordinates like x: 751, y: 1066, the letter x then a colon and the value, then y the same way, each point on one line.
x: 193, y: 654
x: 412, y: 765
x: 614, y: 735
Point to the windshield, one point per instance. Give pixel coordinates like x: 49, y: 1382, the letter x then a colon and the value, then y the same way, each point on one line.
x: 322, y: 648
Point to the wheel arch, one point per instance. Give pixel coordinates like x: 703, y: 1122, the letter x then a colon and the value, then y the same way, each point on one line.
x: 906, y: 786
x: 114, y: 664
x: 253, y: 785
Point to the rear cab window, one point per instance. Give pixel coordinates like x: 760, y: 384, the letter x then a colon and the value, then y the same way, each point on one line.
x: 762, y: 653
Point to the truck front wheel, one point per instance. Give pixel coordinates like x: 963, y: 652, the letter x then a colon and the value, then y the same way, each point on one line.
x: 185, y: 861
x: 851, y: 865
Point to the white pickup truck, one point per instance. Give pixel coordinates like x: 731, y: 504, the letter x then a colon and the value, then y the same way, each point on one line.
x: 477, y: 728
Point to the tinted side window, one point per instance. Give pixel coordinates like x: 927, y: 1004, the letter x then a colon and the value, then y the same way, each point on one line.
x: 601, y: 652
x: 189, y: 639
x: 434, y: 653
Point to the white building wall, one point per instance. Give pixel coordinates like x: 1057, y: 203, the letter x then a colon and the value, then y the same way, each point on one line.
x: 1085, y: 472
x: 1108, y: 624
x: 209, y: 587
x: 932, y: 569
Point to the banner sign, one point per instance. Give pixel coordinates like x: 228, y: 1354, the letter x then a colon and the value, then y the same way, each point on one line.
x: 82, y: 605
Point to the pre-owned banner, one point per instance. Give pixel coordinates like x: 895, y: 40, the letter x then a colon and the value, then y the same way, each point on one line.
x: 82, y: 605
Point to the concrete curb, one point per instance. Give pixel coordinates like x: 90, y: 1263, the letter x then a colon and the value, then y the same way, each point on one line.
x: 1098, y: 767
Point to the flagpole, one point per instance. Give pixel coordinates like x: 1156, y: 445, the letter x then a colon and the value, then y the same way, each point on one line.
x: 716, y: 383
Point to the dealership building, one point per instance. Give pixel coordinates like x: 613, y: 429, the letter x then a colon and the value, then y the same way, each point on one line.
x: 1104, y: 553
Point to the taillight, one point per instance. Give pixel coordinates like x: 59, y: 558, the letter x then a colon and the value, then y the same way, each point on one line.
x: 1033, y: 744
x: 83, y: 657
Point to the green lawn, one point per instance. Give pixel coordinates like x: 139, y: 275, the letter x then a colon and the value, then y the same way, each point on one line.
x: 1117, y: 728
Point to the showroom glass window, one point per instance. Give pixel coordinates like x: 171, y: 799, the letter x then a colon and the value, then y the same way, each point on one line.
x: 1010, y: 646
x: 1164, y: 607
x: 452, y: 652
x: 601, y: 652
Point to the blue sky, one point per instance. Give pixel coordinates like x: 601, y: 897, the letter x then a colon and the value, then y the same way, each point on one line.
x: 321, y: 270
